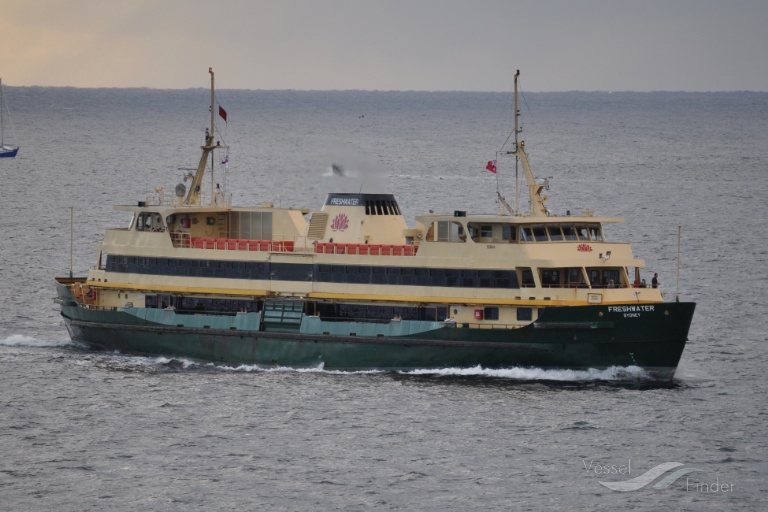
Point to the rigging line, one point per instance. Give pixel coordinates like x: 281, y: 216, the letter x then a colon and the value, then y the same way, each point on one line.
x: 512, y: 131
x: 525, y: 100
x: 501, y: 150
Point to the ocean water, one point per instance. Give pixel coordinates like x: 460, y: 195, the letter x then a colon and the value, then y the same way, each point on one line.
x: 84, y: 430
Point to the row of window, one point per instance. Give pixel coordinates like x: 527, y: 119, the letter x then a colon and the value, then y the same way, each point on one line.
x: 558, y: 233
x: 327, y: 311
x: 352, y: 274
x: 453, y: 231
x: 571, y: 277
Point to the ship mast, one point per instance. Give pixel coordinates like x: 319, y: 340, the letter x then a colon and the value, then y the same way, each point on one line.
x: 534, y: 189
x: 193, y: 196
x: 2, y: 105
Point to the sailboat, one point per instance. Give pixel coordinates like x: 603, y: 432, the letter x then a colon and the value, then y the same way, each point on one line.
x: 6, y: 150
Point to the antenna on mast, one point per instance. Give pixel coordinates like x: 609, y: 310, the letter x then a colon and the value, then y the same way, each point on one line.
x: 193, y: 196
x: 517, y: 114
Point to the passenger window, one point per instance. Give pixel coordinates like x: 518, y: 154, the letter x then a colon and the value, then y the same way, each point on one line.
x: 527, y: 278
x: 524, y: 314
x: 550, y: 278
x: 540, y: 234
x: 574, y: 276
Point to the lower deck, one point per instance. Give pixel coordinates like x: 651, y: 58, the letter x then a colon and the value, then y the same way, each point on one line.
x: 290, y: 333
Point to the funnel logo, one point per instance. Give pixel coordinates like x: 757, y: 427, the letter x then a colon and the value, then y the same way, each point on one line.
x: 340, y: 222
x: 646, y: 478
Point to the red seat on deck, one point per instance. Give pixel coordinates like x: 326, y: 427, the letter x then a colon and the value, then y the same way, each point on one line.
x: 363, y: 249
x: 210, y: 243
x: 375, y: 250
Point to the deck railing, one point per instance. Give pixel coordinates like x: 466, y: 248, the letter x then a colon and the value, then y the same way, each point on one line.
x: 180, y: 239
x: 366, y: 249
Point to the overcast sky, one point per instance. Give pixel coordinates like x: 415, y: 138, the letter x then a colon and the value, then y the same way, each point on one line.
x: 432, y: 45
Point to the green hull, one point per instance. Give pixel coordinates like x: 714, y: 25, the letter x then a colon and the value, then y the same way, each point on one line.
x: 579, y: 338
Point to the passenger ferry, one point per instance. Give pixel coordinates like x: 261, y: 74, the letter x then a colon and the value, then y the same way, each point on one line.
x: 353, y: 287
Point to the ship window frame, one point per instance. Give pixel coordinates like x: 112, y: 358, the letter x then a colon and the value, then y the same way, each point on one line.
x: 558, y: 235
x: 582, y: 232
x: 509, y: 232
x: 571, y: 273
x: 540, y: 233
x: 604, y: 277
x: 526, y: 278
x: 596, y: 232
x: 570, y: 234
x: 550, y: 277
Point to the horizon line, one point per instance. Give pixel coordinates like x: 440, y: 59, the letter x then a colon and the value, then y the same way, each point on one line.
x: 729, y: 91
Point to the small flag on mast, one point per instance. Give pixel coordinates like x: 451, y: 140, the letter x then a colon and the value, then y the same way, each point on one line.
x: 491, y: 166
x: 223, y: 113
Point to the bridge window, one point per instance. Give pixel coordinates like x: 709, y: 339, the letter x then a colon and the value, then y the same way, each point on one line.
x: 509, y: 232
x: 448, y: 231
x: 596, y: 232
x: 569, y: 233
x: 554, y: 233
x: 582, y: 232
x: 148, y: 221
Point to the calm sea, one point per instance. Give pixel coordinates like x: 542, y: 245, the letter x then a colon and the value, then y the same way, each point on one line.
x: 82, y: 430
